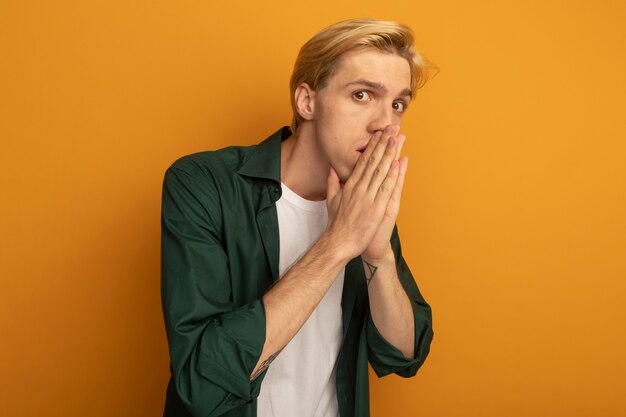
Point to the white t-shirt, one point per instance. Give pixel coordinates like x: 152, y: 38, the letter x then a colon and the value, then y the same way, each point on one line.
x: 300, y: 382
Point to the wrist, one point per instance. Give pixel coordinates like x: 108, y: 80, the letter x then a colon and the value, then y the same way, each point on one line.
x: 387, y: 257
x: 332, y: 248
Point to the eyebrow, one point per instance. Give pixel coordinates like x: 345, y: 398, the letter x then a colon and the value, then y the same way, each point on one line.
x: 378, y: 86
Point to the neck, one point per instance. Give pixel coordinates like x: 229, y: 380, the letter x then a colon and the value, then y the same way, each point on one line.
x: 302, y: 167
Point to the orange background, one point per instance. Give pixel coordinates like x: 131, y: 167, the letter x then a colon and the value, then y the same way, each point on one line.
x: 513, y: 221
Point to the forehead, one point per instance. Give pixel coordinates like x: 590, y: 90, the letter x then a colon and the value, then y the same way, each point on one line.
x: 389, y: 69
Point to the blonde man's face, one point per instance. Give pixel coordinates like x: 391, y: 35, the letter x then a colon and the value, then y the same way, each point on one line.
x: 368, y: 91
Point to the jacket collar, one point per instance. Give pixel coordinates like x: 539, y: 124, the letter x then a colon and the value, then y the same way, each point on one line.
x: 265, y: 159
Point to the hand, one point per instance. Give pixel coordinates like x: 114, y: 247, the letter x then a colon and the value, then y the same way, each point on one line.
x: 358, y: 209
x: 380, y: 242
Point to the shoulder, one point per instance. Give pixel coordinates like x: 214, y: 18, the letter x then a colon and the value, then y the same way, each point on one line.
x: 229, y: 169
x: 198, y: 186
x: 204, y: 178
x: 219, y: 162
x: 209, y: 171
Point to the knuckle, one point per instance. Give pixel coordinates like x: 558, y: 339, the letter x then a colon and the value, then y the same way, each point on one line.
x: 359, y: 187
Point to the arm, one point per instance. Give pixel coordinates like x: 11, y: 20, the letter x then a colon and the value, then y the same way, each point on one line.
x: 290, y: 302
x: 390, y: 307
x: 399, y: 328
x: 383, y: 350
x: 213, y: 346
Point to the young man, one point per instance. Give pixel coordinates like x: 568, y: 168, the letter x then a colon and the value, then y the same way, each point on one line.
x: 282, y: 273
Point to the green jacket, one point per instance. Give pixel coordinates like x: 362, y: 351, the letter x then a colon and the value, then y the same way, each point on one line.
x: 219, y: 256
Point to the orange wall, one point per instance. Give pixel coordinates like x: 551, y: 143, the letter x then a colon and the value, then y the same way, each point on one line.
x: 514, y: 216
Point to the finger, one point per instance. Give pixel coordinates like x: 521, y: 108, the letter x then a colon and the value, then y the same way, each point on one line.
x: 397, y: 191
x: 401, y: 140
x: 372, y: 163
x: 379, y: 173
x: 361, y: 163
x: 333, y: 184
x: 387, y: 187
x: 394, y: 129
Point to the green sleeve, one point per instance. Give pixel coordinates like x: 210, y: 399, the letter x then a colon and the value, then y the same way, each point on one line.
x: 213, y: 346
x: 383, y: 356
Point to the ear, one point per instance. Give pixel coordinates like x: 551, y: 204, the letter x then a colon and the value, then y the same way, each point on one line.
x: 304, y: 98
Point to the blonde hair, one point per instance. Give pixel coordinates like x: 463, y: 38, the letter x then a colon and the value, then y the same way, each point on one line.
x: 318, y: 58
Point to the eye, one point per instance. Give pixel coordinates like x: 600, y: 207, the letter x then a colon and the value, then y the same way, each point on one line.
x: 361, y: 95
x: 399, y: 106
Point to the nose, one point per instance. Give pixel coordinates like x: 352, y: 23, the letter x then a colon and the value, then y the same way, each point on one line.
x: 382, y: 117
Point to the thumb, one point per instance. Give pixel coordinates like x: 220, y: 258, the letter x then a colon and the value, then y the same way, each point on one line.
x: 333, y: 184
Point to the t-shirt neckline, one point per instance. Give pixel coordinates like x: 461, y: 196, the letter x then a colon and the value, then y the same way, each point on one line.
x: 303, y: 203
